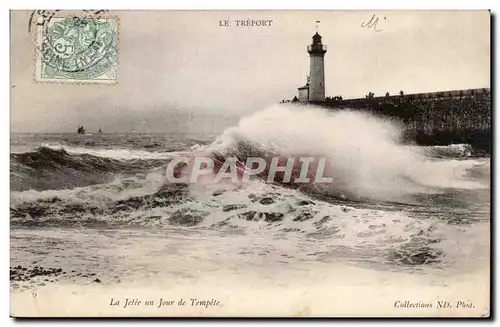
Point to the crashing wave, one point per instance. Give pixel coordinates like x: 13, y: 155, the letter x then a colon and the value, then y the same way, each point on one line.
x: 47, y: 168
x: 365, y: 156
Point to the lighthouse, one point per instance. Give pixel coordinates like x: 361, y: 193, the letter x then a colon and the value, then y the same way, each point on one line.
x: 314, y: 90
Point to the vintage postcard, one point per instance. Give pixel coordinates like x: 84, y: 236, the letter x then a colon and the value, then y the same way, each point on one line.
x: 250, y: 163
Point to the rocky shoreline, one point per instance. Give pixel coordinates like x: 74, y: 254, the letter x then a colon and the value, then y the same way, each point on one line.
x: 36, y: 276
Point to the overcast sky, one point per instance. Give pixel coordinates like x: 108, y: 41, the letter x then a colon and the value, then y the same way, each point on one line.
x: 180, y: 71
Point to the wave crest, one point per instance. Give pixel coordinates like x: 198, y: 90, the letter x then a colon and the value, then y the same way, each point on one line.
x: 365, y: 154
x: 46, y: 168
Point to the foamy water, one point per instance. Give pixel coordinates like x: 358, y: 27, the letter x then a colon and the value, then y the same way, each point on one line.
x: 399, y: 221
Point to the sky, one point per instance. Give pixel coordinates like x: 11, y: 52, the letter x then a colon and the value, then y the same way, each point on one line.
x: 179, y: 71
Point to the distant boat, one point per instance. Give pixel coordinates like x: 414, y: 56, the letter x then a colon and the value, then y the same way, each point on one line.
x: 80, y: 130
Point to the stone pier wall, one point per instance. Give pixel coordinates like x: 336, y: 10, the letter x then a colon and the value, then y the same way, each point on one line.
x: 439, y: 118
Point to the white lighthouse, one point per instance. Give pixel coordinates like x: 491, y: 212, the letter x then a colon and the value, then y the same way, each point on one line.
x: 314, y: 90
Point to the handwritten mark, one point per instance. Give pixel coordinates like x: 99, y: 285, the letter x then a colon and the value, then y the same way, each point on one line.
x: 372, y: 23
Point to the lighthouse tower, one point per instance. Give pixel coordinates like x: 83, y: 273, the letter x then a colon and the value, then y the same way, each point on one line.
x: 317, y: 52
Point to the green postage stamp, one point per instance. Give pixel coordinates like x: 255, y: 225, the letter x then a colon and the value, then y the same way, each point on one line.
x: 77, y: 49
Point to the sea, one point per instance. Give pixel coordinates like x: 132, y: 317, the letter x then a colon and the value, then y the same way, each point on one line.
x: 400, y: 222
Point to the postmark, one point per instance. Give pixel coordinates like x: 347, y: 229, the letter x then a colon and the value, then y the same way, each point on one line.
x: 77, y: 49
